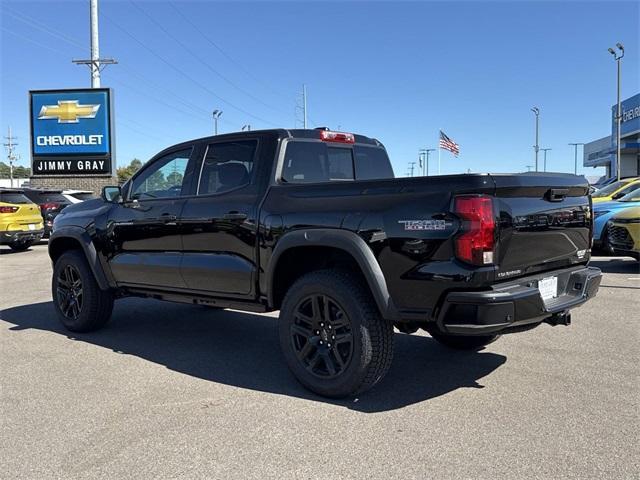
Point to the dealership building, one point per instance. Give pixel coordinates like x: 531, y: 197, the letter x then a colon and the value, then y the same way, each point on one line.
x: 602, y: 152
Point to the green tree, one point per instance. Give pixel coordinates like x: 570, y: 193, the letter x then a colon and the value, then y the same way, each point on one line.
x: 125, y: 173
x: 18, y: 171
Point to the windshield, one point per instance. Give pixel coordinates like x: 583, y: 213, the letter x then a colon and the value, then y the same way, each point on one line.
x: 609, y: 189
x: 633, y: 196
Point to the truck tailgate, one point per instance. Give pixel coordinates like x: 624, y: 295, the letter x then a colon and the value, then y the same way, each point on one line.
x: 544, y: 222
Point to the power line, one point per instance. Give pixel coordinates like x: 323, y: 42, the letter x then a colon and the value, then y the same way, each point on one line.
x: 226, y: 55
x: 188, y: 77
x: 43, y: 27
x: 34, y: 24
x: 198, y: 57
x: 11, y: 155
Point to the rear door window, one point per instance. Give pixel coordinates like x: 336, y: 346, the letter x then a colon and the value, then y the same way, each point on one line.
x: 227, y: 166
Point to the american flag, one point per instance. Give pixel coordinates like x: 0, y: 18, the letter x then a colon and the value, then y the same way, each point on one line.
x: 448, y: 144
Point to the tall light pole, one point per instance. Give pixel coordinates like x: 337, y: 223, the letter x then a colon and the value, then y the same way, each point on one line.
x: 95, y: 63
x: 575, y: 157
x: 545, y: 150
x: 536, y: 147
x: 424, y: 158
x: 216, y: 116
x: 618, y: 57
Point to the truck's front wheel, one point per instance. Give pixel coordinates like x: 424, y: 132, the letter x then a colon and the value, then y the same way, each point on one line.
x: 79, y: 302
x: 332, y: 335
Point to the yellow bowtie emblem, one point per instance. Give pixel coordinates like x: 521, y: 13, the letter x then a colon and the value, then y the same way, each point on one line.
x: 67, y: 111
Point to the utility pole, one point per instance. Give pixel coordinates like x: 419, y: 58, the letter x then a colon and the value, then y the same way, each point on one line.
x: 11, y: 156
x: 411, y: 166
x: 216, y: 116
x: 536, y: 147
x: 95, y: 63
x: 246, y: 127
x: 425, y: 166
x: 545, y: 150
x: 575, y: 158
x: 618, y: 58
x: 304, y: 105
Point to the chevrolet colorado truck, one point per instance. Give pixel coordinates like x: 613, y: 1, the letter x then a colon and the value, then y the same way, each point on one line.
x: 312, y: 223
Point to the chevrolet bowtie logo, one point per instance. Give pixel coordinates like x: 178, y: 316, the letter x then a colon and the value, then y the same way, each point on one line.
x: 67, y: 111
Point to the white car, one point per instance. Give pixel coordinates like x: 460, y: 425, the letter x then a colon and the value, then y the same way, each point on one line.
x: 77, y: 196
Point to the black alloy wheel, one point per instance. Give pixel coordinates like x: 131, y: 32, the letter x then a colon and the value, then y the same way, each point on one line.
x: 70, y: 292
x: 80, y: 303
x: 333, y: 338
x: 321, y: 336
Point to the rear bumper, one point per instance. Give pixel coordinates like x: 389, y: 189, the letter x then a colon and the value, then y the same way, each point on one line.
x: 20, y: 235
x: 517, y: 305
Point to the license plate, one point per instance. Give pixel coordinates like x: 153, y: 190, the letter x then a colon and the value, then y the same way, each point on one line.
x: 32, y: 226
x: 548, y: 288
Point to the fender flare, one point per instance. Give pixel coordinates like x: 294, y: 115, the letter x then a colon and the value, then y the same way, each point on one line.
x: 345, y: 240
x: 82, y: 237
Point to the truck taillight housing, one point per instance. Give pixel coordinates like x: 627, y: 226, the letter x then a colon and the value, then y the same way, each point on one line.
x: 477, y: 241
x: 338, y: 137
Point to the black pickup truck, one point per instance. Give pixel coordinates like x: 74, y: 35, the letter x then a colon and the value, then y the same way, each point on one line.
x: 312, y: 223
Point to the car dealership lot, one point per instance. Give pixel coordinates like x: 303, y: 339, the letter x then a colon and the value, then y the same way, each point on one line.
x: 169, y: 390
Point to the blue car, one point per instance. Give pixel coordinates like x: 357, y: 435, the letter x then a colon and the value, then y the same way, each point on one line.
x: 602, y: 212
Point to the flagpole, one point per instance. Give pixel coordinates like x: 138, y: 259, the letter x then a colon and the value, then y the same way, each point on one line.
x: 439, y: 149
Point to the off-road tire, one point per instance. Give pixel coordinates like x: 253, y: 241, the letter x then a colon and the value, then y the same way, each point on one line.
x: 96, y: 305
x: 371, y: 344
x: 465, y: 342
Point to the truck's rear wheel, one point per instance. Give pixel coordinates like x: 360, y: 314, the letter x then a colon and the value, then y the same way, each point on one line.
x: 462, y: 342
x: 79, y: 302
x: 332, y: 335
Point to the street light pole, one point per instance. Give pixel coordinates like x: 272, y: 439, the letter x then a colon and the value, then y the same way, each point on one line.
x: 536, y: 147
x: 216, y: 116
x: 617, y: 58
x: 545, y: 150
x: 575, y: 157
x: 424, y: 152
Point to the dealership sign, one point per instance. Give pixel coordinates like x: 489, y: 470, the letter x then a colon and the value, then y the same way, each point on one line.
x: 630, y: 117
x: 71, y: 132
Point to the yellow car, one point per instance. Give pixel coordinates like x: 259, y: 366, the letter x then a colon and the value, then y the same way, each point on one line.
x: 20, y: 220
x: 616, y: 190
x: 623, y: 232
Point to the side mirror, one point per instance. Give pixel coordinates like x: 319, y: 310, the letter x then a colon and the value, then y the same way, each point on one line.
x: 112, y: 194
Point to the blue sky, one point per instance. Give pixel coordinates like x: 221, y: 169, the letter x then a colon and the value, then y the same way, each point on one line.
x: 395, y: 71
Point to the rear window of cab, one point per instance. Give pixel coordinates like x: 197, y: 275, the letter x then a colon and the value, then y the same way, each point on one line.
x: 313, y: 162
x: 13, y: 197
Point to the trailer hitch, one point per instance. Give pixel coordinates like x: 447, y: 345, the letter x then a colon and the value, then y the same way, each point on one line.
x: 559, y: 319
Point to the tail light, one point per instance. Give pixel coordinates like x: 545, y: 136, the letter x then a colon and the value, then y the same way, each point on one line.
x: 8, y: 209
x: 49, y: 206
x: 339, y: 137
x: 476, y: 244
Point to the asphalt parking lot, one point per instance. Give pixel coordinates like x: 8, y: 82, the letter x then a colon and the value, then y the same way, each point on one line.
x: 179, y: 391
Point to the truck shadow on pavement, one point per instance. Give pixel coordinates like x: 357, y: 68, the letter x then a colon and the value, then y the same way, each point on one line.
x: 616, y: 265
x: 242, y: 350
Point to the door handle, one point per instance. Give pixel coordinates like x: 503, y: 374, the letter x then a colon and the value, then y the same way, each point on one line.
x: 238, y: 216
